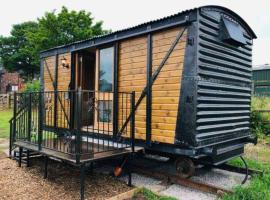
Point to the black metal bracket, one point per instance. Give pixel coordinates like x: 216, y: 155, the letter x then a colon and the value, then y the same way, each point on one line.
x: 149, y: 91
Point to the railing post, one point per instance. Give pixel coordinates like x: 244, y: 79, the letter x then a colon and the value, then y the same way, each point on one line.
x: 132, y: 121
x: 29, y: 117
x: 10, y: 137
x: 55, y: 117
x: 40, y: 120
x: 78, y: 120
x: 14, y: 117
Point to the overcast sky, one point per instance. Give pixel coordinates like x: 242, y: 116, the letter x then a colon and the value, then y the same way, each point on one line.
x: 119, y: 14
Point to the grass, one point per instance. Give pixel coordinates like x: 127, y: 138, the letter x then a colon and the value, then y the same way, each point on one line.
x: 146, y: 194
x: 5, y: 116
x: 252, y: 164
x: 259, y: 187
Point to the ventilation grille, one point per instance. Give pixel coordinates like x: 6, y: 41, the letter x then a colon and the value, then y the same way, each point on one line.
x: 224, y: 86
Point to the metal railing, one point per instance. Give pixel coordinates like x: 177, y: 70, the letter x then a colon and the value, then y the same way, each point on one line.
x: 77, y: 123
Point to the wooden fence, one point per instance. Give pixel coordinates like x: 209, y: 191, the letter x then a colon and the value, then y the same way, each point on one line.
x: 6, y: 101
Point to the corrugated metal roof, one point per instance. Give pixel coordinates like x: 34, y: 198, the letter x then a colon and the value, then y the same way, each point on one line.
x: 149, y: 23
x: 127, y: 29
x: 261, y: 67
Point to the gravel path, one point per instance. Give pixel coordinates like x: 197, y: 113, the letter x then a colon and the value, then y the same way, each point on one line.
x: 217, y: 177
x: 62, y: 183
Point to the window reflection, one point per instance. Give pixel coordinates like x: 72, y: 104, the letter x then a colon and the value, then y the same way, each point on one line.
x: 106, y: 70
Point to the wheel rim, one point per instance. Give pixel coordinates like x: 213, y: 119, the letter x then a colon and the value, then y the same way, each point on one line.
x: 185, y: 167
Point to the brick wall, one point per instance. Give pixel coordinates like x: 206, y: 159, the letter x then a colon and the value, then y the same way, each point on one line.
x: 12, y: 78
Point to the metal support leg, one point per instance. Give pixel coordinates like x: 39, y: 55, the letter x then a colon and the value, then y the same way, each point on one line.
x: 91, y: 168
x: 20, y: 156
x: 129, y: 178
x: 27, y: 158
x: 129, y: 171
x: 82, y: 180
x: 45, y: 167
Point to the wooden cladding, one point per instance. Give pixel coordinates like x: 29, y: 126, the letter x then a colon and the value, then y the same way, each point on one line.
x: 165, y: 90
x: 132, y: 76
x: 63, y: 78
x: 165, y: 107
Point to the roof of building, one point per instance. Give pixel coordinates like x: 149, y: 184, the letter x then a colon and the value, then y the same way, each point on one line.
x: 261, y: 67
x: 116, y: 35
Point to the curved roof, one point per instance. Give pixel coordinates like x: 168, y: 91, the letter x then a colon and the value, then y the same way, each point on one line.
x: 241, y: 20
x: 172, y: 19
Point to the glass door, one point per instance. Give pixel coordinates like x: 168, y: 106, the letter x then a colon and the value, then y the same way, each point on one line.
x: 104, y: 88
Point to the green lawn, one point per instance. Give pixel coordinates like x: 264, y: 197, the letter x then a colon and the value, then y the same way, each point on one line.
x: 259, y: 186
x: 5, y: 116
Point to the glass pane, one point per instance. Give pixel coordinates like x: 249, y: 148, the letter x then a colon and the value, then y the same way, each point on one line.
x: 105, y: 111
x: 106, y: 70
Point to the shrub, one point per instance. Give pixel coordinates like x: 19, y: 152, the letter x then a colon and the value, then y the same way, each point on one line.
x: 258, y: 119
x: 32, y: 86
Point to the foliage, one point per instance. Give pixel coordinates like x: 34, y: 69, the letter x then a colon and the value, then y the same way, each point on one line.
x: 143, y: 193
x: 20, y: 50
x: 4, y: 123
x: 16, y: 51
x: 32, y: 86
x: 259, y: 128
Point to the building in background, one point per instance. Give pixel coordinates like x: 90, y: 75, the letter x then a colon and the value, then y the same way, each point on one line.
x: 261, y: 80
x: 9, y: 82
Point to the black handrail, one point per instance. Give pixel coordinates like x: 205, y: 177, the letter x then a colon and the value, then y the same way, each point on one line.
x: 36, y: 116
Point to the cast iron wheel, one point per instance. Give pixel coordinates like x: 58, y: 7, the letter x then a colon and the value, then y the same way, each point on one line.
x: 185, y: 167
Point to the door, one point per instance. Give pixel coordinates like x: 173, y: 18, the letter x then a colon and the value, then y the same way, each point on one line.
x: 85, y: 80
x: 104, y: 90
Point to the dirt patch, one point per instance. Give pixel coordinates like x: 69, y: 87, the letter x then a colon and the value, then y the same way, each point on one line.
x: 2, y: 156
x: 62, y: 183
x: 4, y: 143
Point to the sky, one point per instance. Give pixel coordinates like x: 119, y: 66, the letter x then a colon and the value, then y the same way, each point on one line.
x: 119, y: 14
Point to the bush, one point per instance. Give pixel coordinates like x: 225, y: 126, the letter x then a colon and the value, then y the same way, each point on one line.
x: 258, y: 119
x: 32, y: 86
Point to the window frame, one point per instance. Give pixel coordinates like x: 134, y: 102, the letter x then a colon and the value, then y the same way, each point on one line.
x: 113, y: 62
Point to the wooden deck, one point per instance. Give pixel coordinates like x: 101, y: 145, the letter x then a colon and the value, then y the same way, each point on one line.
x: 95, y: 155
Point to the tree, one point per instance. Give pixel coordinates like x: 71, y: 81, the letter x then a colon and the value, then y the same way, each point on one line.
x: 65, y: 27
x: 15, y: 51
x: 20, y: 51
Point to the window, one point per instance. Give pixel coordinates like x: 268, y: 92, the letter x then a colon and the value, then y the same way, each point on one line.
x: 230, y: 32
x: 106, y: 69
x: 105, y: 111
